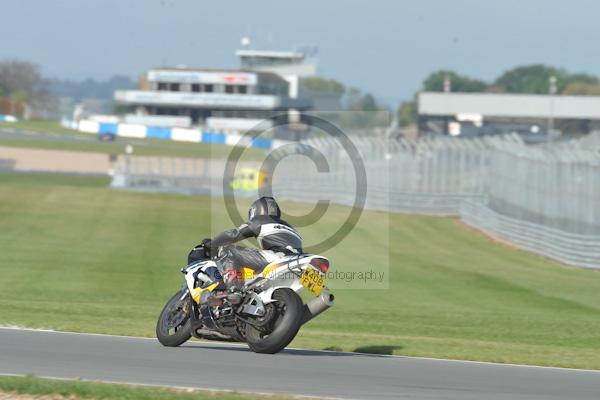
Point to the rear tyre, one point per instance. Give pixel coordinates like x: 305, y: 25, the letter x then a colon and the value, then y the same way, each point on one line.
x: 174, y: 326
x: 288, y: 320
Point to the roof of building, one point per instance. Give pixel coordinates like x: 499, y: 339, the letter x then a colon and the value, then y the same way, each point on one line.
x: 509, y: 105
x: 268, y: 53
x: 262, y: 74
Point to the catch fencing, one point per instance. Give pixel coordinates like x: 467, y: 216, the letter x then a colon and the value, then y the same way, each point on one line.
x: 569, y: 248
x: 544, y: 198
x: 557, y: 187
x: 429, y: 176
x: 181, y: 175
x: 174, y: 175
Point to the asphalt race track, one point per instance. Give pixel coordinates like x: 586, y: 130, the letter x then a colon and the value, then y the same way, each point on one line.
x: 300, y: 372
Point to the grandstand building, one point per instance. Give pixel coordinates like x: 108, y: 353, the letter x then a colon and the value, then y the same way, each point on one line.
x: 221, y: 99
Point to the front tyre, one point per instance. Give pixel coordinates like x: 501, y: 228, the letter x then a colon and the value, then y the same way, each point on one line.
x: 174, y: 327
x: 287, y: 322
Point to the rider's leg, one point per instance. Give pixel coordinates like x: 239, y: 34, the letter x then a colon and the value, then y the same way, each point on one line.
x: 231, y: 259
x: 234, y: 258
x: 224, y: 282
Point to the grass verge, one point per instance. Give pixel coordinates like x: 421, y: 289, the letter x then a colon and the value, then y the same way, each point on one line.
x: 56, y: 137
x: 40, y: 125
x: 106, y: 261
x: 32, y: 385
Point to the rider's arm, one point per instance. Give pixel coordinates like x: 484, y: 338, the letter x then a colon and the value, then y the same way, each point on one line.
x: 231, y: 236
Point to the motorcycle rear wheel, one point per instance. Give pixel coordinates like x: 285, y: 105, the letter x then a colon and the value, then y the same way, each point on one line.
x: 174, y: 326
x: 289, y: 319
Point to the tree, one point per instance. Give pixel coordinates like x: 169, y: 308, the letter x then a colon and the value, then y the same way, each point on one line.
x: 20, y: 96
x: 532, y: 79
x: 459, y: 83
x: 494, y: 89
x: 91, y: 88
x: 581, y: 88
x: 317, y: 84
x: 23, y: 76
x: 535, y: 78
x: 365, y: 112
x: 407, y: 113
x: 22, y: 81
x: 351, y: 98
x: 582, y: 78
x: 326, y: 94
x: 367, y: 103
x: 356, y: 100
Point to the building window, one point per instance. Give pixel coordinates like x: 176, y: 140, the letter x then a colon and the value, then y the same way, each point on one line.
x: 162, y: 86
x: 209, y: 88
x: 243, y: 89
x: 195, y: 87
x: 229, y: 88
x: 174, y: 87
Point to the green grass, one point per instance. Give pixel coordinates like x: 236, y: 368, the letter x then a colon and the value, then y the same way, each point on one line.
x: 76, y: 256
x: 40, y: 125
x: 93, y: 390
x: 144, y: 147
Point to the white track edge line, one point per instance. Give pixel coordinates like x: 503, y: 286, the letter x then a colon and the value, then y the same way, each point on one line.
x: 209, y: 343
x: 184, y: 388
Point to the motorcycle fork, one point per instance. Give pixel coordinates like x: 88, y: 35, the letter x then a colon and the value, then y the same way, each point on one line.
x: 201, y: 317
x: 195, y: 321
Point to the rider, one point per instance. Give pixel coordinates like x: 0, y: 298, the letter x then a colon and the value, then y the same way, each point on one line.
x: 276, y: 238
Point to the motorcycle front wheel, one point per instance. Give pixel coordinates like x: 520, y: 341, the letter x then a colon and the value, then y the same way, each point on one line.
x: 174, y: 327
x: 288, y: 319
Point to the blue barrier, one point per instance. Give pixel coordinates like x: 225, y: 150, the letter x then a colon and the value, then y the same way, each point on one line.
x: 155, y: 132
x: 213, y: 137
x: 8, y: 118
x: 107, y: 128
x: 261, y: 143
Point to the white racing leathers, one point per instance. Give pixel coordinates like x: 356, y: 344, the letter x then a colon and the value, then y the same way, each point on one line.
x: 275, y: 236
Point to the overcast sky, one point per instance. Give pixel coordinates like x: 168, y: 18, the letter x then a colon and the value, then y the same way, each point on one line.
x: 385, y: 47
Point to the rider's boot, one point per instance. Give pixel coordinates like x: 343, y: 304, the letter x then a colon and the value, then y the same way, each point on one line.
x: 233, y: 296
x: 223, y: 291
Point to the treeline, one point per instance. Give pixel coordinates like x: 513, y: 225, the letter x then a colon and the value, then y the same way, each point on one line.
x: 91, y: 88
x: 530, y: 79
x: 330, y: 96
x: 24, y: 91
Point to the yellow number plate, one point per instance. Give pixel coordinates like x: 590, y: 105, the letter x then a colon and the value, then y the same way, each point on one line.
x: 311, y: 280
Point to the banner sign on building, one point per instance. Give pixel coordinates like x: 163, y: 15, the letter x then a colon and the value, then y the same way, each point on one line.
x: 197, y: 99
x: 186, y: 76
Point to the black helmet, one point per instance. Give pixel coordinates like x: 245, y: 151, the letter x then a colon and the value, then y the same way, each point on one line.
x: 264, y: 206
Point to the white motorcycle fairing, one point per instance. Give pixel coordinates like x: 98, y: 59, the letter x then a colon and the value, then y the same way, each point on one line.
x: 282, y: 273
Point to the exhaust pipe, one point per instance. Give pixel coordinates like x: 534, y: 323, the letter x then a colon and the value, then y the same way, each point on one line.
x: 317, y: 305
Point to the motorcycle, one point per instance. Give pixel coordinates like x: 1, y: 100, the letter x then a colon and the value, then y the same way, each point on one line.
x: 266, y: 313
